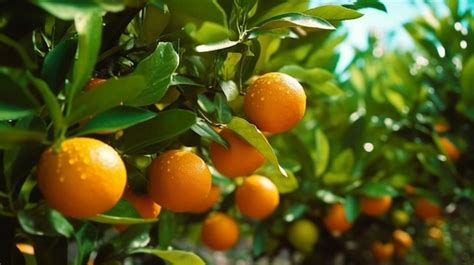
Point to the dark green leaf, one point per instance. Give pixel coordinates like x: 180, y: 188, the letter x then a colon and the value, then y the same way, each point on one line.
x: 164, y: 126
x: 105, y: 96
x: 253, y: 136
x: 205, y: 103
x: 158, y: 70
x: 89, y: 30
x: 85, y: 238
x: 16, y: 101
x: 259, y: 238
x: 295, y: 211
x: 183, y: 80
x: 203, y: 129
x: 333, y: 12
x: 57, y: 64
x: 375, y: 4
x: 166, y: 229
x: 377, y: 189
x: 224, y: 113
x: 13, y: 137
x: 220, y: 45
x: 230, y: 89
x: 175, y: 257
x: 321, y: 152
x: 294, y: 20
x: 466, y: 105
x: 116, y: 119
x: 44, y: 221
x: 284, y: 183
x: 351, y: 208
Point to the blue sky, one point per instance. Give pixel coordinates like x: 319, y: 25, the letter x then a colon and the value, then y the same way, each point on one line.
x: 383, y: 24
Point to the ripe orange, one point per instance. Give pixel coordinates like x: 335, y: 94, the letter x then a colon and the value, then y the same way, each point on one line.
x: 426, y: 209
x: 449, y: 149
x: 178, y: 179
x: 219, y: 231
x: 93, y: 83
x: 209, y: 201
x: 241, y: 159
x: 375, y: 206
x: 382, y: 252
x: 402, y: 242
x: 410, y: 189
x: 86, y: 177
x: 257, y: 197
x: 144, y: 205
x: 335, y: 219
x: 275, y: 102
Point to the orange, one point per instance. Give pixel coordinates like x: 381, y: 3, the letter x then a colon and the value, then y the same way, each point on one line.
x: 209, y: 201
x: 178, y: 180
x: 335, y: 219
x: 257, y: 197
x: 241, y: 159
x: 449, y: 149
x: 93, y: 83
x: 382, y: 252
x: 25, y: 248
x: 426, y: 209
x: 144, y: 205
x: 86, y: 177
x: 275, y: 102
x: 402, y: 241
x: 410, y: 189
x: 375, y: 206
x: 441, y: 127
x: 219, y: 231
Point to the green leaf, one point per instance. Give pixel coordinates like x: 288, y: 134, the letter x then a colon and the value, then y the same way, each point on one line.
x: 253, y: 136
x: 89, y: 31
x: 224, y: 113
x: 105, y: 96
x: 317, y: 78
x: 333, y: 12
x: 259, y: 238
x: 321, y: 152
x: 344, y: 162
x: 284, y: 183
x: 13, y: 137
x: 175, y: 257
x: 183, y: 80
x: 85, y: 238
x: 57, y: 64
x: 396, y: 99
x: 203, y: 129
x: 116, y: 119
x: 329, y: 197
x: 164, y: 126
x: 466, y: 104
x: 122, y: 213
x: 294, y: 20
x: 215, y: 46
x: 229, y: 67
x: 377, y: 189
x: 68, y: 10
x: 16, y: 101
x: 167, y: 227
x: 156, y: 19
x: 210, y: 32
x: 186, y: 12
x: 351, y: 208
x: 295, y: 212
x: 158, y: 69
x: 230, y: 89
x: 205, y: 103
x: 375, y: 4
x: 44, y: 221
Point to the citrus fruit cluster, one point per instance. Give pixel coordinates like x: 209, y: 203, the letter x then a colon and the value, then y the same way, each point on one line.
x: 85, y: 177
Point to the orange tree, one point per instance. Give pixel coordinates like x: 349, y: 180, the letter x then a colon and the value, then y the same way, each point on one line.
x: 108, y: 109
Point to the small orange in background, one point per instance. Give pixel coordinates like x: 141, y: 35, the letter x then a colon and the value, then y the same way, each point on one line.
x: 449, y: 149
x: 382, y: 252
x: 241, y: 159
x: 402, y: 242
x: 144, y: 205
x: 25, y: 248
x: 211, y: 199
x: 375, y: 206
x: 427, y: 210
x: 441, y: 127
x: 178, y: 179
x: 335, y: 219
x: 219, y: 231
x: 410, y: 189
x: 86, y: 177
x: 275, y: 102
x: 257, y: 197
x: 93, y: 82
